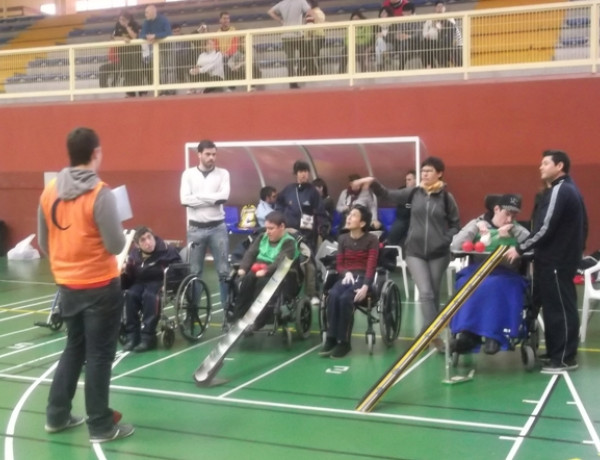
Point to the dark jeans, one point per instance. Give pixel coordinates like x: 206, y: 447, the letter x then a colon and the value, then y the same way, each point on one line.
x: 554, y: 289
x: 144, y: 298
x: 290, y: 46
x: 92, y: 336
x: 340, y: 310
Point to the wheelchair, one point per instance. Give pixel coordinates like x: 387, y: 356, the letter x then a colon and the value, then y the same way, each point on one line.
x: 522, y: 329
x: 383, y: 304
x: 287, y: 306
x: 189, y: 297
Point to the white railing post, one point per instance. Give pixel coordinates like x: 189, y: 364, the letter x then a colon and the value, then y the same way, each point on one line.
x: 351, y: 53
x: 466, y: 48
x: 71, y: 74
x: 594, y: 34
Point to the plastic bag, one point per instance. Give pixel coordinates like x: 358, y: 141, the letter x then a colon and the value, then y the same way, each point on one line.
x: 24, y: 250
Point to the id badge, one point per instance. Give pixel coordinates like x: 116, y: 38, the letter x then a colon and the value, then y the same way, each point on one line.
x: 306, y: 221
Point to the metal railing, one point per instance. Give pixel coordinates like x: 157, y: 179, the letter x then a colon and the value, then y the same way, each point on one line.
x: 553, y: 38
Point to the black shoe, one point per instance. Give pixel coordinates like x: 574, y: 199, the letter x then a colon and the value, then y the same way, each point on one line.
x: 145, y: 346
x: 544, y: 359
x: 340, y: 350
x: 117, y: 432
x: 129, y: 345
x: 491, y: 346
x: 72, y: 422
x: 327, y: 349
x: 555, y: 367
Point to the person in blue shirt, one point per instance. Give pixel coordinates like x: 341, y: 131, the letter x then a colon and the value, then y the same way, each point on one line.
x: 268, y: 195
x: 155, y: 27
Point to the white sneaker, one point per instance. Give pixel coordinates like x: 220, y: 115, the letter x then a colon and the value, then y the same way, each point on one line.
x: 315, y: 301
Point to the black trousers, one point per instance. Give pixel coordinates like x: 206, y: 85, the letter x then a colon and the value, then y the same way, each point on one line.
x: 555, y: 291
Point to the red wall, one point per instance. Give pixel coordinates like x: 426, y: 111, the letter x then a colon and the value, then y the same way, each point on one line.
x: 490, y: 134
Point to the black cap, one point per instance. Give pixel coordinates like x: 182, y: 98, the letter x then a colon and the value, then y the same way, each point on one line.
x: 510, y: 202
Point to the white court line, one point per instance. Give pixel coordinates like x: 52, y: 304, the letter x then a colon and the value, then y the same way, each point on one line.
x: 45, y: 283
x: 46, y: 297
x: 248, y: 402
x: 584, y: 415
x: 20, y: 350
x: 532, y: 418
x: 10, y: 429
x: 33, y: 361
x: 275, y: 369
x: 415, y: 365
x: 19, y: 331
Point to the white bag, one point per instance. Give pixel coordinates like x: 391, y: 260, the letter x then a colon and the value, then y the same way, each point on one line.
x: 24, y: 250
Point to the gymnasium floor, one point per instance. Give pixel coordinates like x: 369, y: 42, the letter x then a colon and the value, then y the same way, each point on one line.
x: 290, y: 403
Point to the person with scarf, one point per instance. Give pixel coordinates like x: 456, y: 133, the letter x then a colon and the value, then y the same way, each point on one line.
x: 434, y: 221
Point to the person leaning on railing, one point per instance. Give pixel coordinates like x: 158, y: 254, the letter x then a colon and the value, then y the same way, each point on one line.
x: 129, y: 57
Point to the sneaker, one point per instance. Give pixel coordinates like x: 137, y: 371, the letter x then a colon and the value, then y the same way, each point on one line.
x: 145, y: 346
x: 315, y: 301
x: 340, y: 350
x: 74, y: 420
x: 556, y: 368
x: 491, y: 346
x: 129, y: 345
x: 117, y: 432
x: 327, y: 349
x: 544, y: 358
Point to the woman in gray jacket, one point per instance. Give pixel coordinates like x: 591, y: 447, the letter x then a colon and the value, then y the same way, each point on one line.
x: 434, y: 220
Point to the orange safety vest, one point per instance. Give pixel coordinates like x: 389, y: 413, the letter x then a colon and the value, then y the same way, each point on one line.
x: 77, y: 254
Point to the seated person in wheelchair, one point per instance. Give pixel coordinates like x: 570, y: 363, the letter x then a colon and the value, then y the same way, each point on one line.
x: 143, y: 276
x: 260, y: 262
x: 356, y: 263
x: 496, y: 305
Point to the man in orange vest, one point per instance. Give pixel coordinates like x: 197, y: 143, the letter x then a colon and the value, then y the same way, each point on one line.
x: 79, y: 230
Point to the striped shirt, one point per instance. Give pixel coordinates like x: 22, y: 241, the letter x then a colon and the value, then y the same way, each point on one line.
x: 358, y: 256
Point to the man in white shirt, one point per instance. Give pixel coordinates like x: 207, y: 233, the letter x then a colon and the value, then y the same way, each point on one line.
x: 203, y: 191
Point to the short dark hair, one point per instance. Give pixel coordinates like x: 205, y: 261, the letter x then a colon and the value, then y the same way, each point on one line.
x: 357, y: 14
x: 352, y: 177
x: 365, y: 215
x: 275, y: 217
x: 558, y: 156
x: 223, y: 13
x: 434, y: 162
x: 313, y: 3
x: 266, y: 192
x: 409, y: 7
x: 206, y: 144
x: 437, y: 2
x: 141, y: 231
x: 387, y: 9
x: 81, y: 143
x: 318, y: 182
x: 300, y: 165
x: 411, y: 171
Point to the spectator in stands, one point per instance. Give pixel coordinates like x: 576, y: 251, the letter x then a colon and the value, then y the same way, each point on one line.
x: 109, y: 74
x: 184, y: 55
x: 302, y: 206
x: 385, y: 38
x: 399, y: 229
x: 434, y: 221
x: 268, y: 196
x: 270, y: 249
x: 364, y: 41
x: 209, y: 66
x: 356, y: 262
x: 155, y: 27
x: 143, y: 278
x: 226, y: 45
x: 409, y: 38
x: 442, y: 40
x: 395, y: 5
x: 314, y: 41
x: 129, y: 57
x: 349, y: 197
x: 237, y: 66
x: 291, y: 13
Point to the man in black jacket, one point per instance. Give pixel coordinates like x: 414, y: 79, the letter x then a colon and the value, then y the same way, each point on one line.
x: 558, y: 241
x: 144, y: 275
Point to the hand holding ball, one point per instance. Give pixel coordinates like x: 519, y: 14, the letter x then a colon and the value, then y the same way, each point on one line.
x: 467, y: 246
x: 258, y: 266
x: 479, y: 246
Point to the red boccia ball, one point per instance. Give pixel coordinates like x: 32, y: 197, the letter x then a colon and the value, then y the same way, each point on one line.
x: 256, y: 267
x: 479, y: 246
x: 467, y: 246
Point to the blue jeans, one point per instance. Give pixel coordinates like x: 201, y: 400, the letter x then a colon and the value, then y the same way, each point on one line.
x: 92, y: 335
x: 217, y: 239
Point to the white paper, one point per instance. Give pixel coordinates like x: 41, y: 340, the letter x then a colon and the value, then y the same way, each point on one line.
x: 123, y: 205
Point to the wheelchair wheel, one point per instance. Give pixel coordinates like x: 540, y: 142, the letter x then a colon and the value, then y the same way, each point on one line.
x: 390, y: 312
x: 303, y: 318
x: 56, y: 321
x: 122, y: 334
x: 192, y: 308
x: 167, y: 337
x: 528, y: 357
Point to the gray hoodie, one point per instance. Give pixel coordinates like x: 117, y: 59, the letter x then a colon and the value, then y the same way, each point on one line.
x: 74, y: 182
x: 431, y: 227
